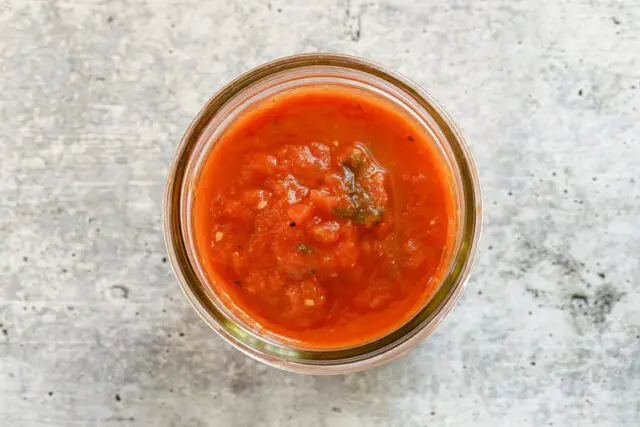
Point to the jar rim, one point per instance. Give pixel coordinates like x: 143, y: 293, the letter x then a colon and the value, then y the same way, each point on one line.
x: 363, y: 356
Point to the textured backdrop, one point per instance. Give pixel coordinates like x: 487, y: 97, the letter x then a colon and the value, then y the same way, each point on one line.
x: 94, y: 97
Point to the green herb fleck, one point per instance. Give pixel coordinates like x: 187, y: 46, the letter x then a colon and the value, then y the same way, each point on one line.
x: 349, y: 179
x: 361, y: 209
x: 304, y: 249
x: 356, y: 159
x: 344, y: 211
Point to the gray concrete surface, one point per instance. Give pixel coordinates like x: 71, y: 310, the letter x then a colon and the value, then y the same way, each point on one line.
x: 94, y: 98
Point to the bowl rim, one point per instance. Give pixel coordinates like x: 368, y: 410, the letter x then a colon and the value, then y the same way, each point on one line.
x: 386, y: 348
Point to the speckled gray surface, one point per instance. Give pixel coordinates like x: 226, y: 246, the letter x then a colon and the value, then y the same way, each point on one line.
x: 94, y: 98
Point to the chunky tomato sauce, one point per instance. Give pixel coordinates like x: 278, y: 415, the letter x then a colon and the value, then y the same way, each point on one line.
x: 324, y: 215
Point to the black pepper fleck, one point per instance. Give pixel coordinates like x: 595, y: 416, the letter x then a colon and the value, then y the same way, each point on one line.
x: 580, y: 92
x: 410, y: 138
x: 164, y: 259
x: 236, y: 282
x: 50, y: 393
x: 292, y: 224
x: 602, y: 275
x: 117, y: 397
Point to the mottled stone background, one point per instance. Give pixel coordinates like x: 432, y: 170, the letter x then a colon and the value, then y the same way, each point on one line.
x: 94, y: 98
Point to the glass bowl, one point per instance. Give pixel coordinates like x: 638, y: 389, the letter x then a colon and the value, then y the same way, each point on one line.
x: 286, y: 74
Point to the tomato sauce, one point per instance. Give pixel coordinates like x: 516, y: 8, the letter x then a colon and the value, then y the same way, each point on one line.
x: 324, y: 216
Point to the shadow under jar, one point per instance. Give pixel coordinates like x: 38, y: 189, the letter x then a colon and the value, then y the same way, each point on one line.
x: 322, y: 295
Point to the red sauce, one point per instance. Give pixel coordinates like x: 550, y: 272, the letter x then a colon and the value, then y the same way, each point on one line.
x: 324, y: 215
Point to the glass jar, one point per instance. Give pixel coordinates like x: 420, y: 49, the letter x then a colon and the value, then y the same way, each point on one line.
x: 267, y: 80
